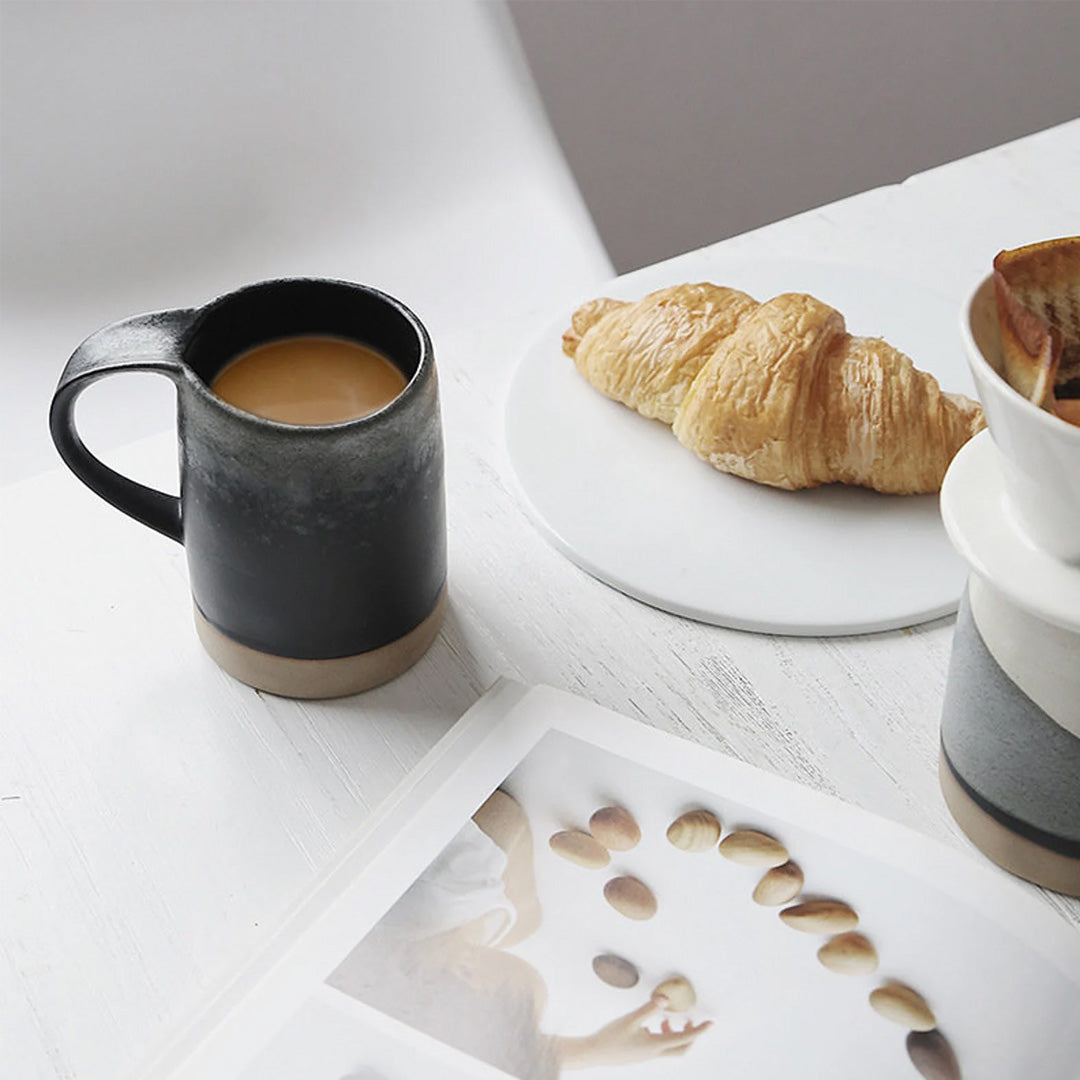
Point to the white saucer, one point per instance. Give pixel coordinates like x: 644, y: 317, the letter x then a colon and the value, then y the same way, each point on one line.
x: 619, y: 495
x: 981, y: 525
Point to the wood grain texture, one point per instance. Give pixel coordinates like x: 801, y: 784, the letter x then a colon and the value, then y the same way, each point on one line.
x: 158, y: 819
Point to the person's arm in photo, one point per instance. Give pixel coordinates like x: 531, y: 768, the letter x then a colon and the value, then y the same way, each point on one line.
x: 503, y: 820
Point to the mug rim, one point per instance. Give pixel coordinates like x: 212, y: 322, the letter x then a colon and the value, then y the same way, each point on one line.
x: 409, y: 391
x: 1054, y: 425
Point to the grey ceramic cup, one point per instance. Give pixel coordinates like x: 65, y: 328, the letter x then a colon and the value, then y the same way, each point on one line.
x: 317, y: 553
x: 1010, y: 755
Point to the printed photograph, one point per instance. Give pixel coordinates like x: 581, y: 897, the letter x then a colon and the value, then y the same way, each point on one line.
x: 596, y: 915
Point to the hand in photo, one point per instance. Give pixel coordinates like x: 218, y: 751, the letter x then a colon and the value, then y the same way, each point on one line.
x: 627, y: 1040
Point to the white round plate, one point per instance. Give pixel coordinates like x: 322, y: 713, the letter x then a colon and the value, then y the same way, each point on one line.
x: 619, y: 495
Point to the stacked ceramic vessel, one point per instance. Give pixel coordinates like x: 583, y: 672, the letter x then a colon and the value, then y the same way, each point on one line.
x: 1010, y: 766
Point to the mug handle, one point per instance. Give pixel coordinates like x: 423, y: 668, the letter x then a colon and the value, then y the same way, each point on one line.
x: 141, y: 343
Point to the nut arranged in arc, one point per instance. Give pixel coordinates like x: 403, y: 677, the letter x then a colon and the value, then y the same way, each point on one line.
x: 679, y: 993
x: 846, y: 951
x: 615, y: 828
x: 696, y: 830
x: 849, y: 954
x: 752, y: 848
x: 903, y: 1006
x: 821, y: 917
x: 615, y: 971
x: 780, y: 885
x: 630, y: 897
x: 580, y: 848
x: 933, y: 1056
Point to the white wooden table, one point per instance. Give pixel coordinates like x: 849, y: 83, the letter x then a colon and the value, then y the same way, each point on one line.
x: 158, y: 819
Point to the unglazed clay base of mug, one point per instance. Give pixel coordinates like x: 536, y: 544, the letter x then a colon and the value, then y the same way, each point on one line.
x: 1017, y: 854
x: 293, y: 678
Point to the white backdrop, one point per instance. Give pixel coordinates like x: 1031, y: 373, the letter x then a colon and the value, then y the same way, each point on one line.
x: 157, y: 155
x: 688, y: 121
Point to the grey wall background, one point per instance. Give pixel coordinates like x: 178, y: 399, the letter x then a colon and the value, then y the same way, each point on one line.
x: 687, y: 121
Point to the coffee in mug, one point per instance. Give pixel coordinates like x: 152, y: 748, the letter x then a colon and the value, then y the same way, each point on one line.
x: 315, y: 536
x: 309, y: 380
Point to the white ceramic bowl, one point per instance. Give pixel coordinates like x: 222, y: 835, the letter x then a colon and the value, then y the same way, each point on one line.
x: 1040, y: 453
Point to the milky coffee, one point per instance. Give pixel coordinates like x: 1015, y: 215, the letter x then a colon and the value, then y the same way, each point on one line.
x: 309, y: 380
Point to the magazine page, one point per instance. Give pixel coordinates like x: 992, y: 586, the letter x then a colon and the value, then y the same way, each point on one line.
x: 565, y: 889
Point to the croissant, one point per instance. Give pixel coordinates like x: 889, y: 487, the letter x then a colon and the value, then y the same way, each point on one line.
x: 778, y: 392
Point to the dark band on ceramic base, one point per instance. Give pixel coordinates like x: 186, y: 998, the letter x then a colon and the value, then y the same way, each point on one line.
x: 1010, y: 849
x: 337, y: 677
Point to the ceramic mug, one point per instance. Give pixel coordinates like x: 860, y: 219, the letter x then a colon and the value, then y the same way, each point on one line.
x: 317, y: 553
x: 1039, y: 452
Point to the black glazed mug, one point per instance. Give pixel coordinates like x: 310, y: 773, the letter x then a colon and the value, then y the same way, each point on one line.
x: 316, y: 552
